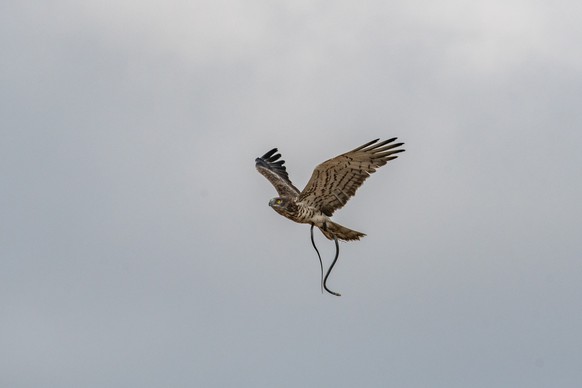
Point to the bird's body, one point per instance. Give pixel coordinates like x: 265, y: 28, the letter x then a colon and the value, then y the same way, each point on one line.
x: 303, y: 213
x: 332, y: 184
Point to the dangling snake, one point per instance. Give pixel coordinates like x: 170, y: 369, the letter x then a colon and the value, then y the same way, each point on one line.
x: 324, y: 280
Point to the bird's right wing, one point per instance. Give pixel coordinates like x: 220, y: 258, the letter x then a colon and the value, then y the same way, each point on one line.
x: 273, y: 169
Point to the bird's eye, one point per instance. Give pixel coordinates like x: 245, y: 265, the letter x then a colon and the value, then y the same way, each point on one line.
x: 278, y: 202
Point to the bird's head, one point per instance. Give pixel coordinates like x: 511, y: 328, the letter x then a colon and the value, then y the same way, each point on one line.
x: 283, y: 206
x: 277, y: 202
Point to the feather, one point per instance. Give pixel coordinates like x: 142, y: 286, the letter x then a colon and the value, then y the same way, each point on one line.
x: 336, y: 180
x: 331, y: 185
x: 274, y: 170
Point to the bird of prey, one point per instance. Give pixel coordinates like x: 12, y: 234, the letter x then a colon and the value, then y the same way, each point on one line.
x: 332, y: 184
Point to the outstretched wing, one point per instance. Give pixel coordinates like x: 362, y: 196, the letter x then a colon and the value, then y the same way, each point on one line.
x: 335, y: 181
x: 273, y: 169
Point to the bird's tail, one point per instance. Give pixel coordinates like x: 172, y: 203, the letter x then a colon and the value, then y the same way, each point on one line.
x: 331, y: 229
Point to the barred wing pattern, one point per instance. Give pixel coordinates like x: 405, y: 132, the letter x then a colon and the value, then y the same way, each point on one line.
x: 335, y: 181
x: 274, y: 170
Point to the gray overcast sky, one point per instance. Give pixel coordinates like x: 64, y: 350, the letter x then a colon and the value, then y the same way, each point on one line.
x: 137, y: 247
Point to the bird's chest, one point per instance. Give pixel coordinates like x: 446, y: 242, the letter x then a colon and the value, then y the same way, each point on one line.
x: 301, y: 213
x: 308, y: 214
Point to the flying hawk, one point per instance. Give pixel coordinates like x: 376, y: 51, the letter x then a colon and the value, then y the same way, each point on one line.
x: 332, y: 184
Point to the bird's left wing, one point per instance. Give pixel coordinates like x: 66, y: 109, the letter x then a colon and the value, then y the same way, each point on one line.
x: 335, y: 181
x: 274, y: 170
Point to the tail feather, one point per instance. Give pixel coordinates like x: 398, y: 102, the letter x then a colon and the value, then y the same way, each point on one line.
x: 331, y: 229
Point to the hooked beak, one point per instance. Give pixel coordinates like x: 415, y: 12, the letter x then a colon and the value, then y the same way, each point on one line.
x: 271, y: 202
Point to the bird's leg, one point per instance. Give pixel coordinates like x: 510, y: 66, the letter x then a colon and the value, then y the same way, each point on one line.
x: 331, y: 267
x: 319, y: 256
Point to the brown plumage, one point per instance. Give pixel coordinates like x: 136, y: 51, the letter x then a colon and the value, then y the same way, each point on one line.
x: 332, y: 184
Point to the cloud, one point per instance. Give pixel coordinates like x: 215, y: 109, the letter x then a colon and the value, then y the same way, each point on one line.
x: 138, y: 247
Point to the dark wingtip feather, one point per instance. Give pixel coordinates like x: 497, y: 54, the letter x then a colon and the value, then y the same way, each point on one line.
x: 365, y: 145
x: 269, y: 154
x: 271, y: 161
